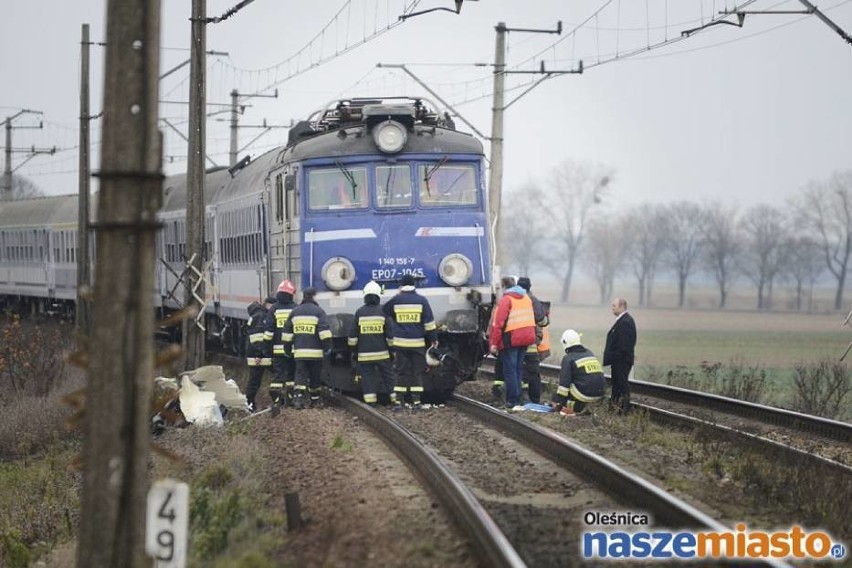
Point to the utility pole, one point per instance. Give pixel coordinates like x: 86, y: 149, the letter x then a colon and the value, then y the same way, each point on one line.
x: 7, y: 170
x: 235, y: 97
x: 195, y: 290
x: 83, y: 280
x: 495, y: 180
x: 236, y: 110
x: 121, y: 358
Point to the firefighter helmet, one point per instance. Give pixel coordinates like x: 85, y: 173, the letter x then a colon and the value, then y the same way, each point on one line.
x: 372, y: 288
x: 287, y: 287
x: 570, y: 338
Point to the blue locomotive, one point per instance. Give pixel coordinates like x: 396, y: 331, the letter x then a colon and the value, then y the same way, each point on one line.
x: 365, y: 189
x: 374, y: 189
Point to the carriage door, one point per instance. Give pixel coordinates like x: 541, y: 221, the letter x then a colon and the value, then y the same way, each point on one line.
x: 211, y: 256
x: 284, y: 229
x: 50, y: 262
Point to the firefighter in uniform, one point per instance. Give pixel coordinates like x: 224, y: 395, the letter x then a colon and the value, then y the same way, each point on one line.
x: 370, y: 337
x: 308, y: 336
x: 413, y: 328
x: 258, y: 352
x: 581, y: 379
x: 540, y: 350
x: 281, y: 387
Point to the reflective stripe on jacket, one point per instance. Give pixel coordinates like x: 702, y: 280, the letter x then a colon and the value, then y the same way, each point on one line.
x: 581, y: 374
x: 370, y: 334
x: 308, y: 331
x: 413, y: 324
x: 274, y: 325
x: 257, y: 347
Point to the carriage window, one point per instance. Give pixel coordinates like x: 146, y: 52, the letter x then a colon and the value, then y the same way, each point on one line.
x: 393, y: 186
x: 332, y: 189
x: 443, y: 185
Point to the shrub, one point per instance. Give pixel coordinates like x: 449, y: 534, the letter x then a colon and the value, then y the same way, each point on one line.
x: 734, y: 380
x: 14, y: 553
x: 822, y: 388
x: 31, y: 424
x: 31, y: 361
x: 38, y: 503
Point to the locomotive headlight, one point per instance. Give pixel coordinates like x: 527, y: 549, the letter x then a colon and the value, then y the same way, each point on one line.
x: 455, y: 269
x: 338, y: 273
x: 390, y: 136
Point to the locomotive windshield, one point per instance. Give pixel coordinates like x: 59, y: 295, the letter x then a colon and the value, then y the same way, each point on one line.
x: 445, y: 185
x: 338, y: 188
x: 438, y: 184
x: 393, y: 186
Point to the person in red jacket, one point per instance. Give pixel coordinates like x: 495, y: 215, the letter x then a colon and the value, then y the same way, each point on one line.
x: 512, y: 331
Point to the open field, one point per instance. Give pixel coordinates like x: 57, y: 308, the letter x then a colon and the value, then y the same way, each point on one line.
x: 690, y: 341
x: 671, y: 337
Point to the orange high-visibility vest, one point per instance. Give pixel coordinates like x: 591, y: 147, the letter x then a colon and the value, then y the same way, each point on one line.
x: 545, y: 341
x: 520, y: 314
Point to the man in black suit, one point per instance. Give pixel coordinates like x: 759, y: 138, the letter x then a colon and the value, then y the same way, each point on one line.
x: 619, y: 354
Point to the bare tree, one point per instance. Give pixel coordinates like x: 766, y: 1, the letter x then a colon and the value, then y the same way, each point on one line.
x: 605, y: 252
x: 647, y: 229
x: 576, y: 188
x: 684, y: 242
x: 826, y: 209
x: 522, y: 229
x: 24, y: 188
x: 721, y: 247
x: 804, y: 267
x: 765, y: 255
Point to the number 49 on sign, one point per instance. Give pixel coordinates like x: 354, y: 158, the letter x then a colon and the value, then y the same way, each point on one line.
x: 166, y: 525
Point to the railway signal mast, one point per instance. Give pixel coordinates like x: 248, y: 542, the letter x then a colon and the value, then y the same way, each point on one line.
x: 33, y: 151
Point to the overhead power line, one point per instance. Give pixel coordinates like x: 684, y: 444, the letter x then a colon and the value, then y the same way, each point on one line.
x: 337, y: 31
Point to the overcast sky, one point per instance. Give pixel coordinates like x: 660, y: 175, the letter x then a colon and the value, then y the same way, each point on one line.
x: 740, y: 115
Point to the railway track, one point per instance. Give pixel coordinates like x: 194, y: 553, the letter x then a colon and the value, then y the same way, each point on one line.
x: 773, y: 431
x: 521, y: 492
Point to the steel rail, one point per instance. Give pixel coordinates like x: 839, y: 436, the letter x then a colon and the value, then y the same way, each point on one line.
x: 486, y: 538
x: 626, y: 486
x: 825, y: 427
x: 761, y: 443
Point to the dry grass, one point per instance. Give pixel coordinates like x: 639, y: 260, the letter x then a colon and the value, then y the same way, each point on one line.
x: 228, y: 488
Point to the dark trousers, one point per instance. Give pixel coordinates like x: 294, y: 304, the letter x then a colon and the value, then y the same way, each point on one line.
x: 376, y: 378
x: 308, y: 376
x: 254, y: 381
x: 409, y: 365
x: 620, y: 387
x: 282, y: 382
x: 532, y: 376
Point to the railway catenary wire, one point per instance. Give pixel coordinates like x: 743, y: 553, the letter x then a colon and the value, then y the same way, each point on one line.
x: 511, y: 512
x: 774, y: 431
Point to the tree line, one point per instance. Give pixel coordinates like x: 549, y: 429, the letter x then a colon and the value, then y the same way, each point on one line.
x: 565, y: 223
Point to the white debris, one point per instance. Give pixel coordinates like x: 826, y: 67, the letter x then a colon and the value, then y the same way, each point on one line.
x: 198, y: 406
x: 212, y: 378
x: 203, y: 393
